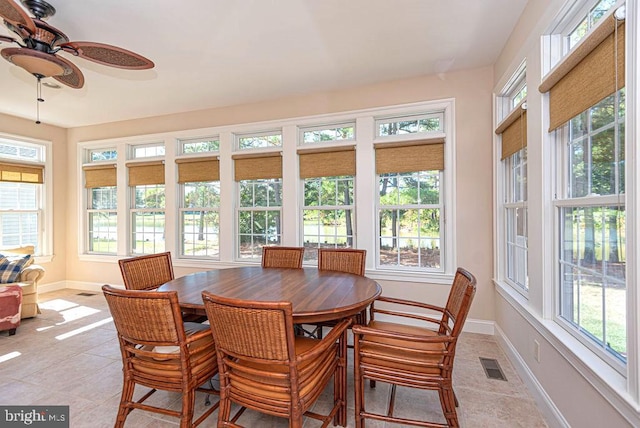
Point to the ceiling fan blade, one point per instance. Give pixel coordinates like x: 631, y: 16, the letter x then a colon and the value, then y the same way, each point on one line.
x: 109, y: 55
x: 75, y: 79
x: 16, y: 16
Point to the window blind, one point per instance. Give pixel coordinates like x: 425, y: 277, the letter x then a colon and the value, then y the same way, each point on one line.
x: 99, y: 175
x: 257, y: 166
x: 327, y: 162
x: 192, y: 170
x: 514, y: 131
x: 409, y: 156
x: 142, y: 173
x: 588, y: 74
x: 21, y: 173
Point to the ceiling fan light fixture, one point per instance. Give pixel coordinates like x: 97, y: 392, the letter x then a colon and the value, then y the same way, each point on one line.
x: 38, y: 63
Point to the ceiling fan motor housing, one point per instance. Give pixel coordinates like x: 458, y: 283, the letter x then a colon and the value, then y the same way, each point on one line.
x: 40, y: 8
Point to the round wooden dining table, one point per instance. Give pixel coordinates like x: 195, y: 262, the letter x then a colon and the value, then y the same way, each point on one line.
x: 316, y: 295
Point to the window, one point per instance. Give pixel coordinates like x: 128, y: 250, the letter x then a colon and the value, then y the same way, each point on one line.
x: 200, y: 145
x: 328, y: 210
x: 199, y: 178
x: 261, y: 140
x: 146, y: 182
x: 410, y: 205
x: 595, y: 14
x: 148, y: 150
x: 102, y: 208
x: 260, y: 203
x: 316, y: 134
x: 592, y: 223
x: 513, y: 170
x: 413, y: 124
x: 587, y: 123
x: 21, y: 194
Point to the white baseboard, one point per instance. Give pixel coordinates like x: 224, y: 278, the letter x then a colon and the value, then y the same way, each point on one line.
x: 551, y: 413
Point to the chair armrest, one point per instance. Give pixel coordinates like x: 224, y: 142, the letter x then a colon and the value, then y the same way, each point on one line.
x: 32, y: 273
x: 326, y: 342
x: 407, y: 303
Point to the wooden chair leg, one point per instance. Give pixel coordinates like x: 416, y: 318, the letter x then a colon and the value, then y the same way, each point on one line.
x: 128, y: 387
x: 447, y: 400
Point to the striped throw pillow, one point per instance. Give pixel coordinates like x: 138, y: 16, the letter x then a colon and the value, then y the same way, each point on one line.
x: 10, y: 268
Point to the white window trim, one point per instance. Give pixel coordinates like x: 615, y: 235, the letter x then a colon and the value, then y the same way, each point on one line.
x: 365, y: 187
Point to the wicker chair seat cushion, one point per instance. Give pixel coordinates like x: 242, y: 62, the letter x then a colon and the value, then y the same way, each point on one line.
x: 278, y: 388
x: 165, y: 360
x: 412, y: 358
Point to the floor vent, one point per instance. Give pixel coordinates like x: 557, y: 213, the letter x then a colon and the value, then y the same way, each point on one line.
x: 86, y: 294
x: 492, y: 368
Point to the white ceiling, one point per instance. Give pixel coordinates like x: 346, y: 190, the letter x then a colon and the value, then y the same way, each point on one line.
x: 212, y: 53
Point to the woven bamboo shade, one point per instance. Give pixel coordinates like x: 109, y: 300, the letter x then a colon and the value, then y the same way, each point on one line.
x: 191, y: 170
x: 587, y: 75
x: 21, y: 173
x: 328, y: 163
x: 99, y: 175
x: 409, y: 156
x: 514, y: 131
x: 254, y: 167
x: 141, y: 173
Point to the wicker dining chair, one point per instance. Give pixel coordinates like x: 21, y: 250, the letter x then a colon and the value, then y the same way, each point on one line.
x: 263, y: 366
x: 146, y: 272
x: 149, y: 272
x: 348, y: 260
x: 160, y: 352
x: 409, y: 355
x: 282, y: 257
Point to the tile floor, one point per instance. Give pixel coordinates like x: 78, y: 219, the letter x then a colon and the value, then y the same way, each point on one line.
x: 69, y: 355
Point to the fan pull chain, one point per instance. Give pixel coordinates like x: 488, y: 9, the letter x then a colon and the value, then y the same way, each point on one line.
x: 39, y: 99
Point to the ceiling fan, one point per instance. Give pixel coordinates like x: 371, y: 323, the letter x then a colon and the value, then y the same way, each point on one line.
x: 40, y: 44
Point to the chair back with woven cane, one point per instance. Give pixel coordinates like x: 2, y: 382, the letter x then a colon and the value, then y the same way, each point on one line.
x: 282, y: 257
x: 265, y: 367
x: 146, y: 272
x: 159, y: 351
x: 412, y: 355
x: 347, y: 260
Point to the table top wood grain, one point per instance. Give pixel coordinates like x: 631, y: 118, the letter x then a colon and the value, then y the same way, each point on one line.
x: 316, y: 295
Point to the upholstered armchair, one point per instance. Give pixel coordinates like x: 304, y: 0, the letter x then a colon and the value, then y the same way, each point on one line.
x: 27, y: 276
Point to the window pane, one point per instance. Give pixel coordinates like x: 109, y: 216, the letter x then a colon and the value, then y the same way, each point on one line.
x: 320, y: 134
x: 98, y: 155
x: 149, y: 196
x: 328, y: 219
x: 259, y: 216
x: 200, y: 145
x: 200, y: 233
x: 103, y: 232
x: 148, y: 150
x: 409, y: 125
x: 103, y: 198
x: 260, y: 141
x: 148, y: 232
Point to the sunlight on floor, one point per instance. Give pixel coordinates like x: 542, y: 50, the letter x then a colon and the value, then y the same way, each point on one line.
x: 10, y: 355
x: 83, y: 329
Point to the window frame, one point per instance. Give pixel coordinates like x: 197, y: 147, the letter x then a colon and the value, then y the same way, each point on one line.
x: 508, y: 205
x: 44, y: 248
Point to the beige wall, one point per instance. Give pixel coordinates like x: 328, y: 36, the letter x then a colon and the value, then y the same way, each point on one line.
x: 56, y: 268
x: 472, y: 93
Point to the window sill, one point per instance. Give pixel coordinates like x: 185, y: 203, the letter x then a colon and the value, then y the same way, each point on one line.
x: 608, y: 382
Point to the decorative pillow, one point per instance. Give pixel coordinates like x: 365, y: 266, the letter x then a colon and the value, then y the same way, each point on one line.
x: 11, y: 256
x: 10, y: 267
